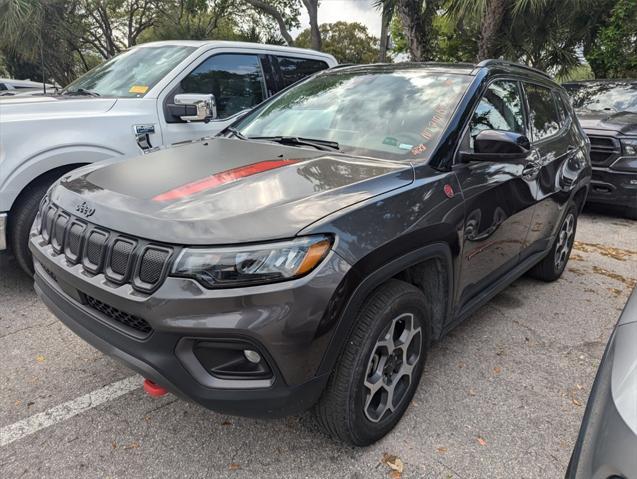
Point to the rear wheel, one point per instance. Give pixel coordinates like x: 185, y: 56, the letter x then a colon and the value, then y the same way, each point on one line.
x: 553, y: 265
x: 380, y: 368
x: 20, y: 221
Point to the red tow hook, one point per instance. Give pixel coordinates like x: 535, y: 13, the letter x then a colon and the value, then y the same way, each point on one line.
x: 153, y: 389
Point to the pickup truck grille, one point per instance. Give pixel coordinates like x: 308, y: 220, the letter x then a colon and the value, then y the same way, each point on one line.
x: 604, y: 150
x: 121, y: 259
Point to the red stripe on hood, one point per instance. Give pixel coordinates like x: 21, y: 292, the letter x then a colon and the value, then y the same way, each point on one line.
x: 222, y: 178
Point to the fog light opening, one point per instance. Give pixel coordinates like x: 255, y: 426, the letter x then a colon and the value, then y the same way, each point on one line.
x: 252, y: 356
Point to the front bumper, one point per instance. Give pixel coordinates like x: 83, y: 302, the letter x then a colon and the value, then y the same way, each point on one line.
x: 613, y: 187
x: 3, y: 231
x: 283, y: 321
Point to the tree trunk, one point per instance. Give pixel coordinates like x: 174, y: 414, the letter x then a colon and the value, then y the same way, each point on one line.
x: 315, y: 34
x: 384, y: 32
x: 418, y: 26
x: 491, y: 29
x: 278, y: 17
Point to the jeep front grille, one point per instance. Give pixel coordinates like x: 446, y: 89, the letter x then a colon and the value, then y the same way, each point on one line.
x: 120, y: 258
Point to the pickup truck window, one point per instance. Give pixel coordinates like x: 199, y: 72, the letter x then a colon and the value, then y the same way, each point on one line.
x: 130, y: 74
x: 236, y: 81
x: 395, y: 114
x: 295, y: 69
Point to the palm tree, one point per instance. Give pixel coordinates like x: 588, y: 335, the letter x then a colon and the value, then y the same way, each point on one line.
x: 493, y: 14
x: 387, y: 12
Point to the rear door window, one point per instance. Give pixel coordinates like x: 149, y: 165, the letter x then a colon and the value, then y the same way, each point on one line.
x: 295, y: 69
x: 543, y: 114
x: 236, y: 81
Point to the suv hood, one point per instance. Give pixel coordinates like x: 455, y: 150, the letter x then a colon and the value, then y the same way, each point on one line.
x: 624, y: 122
x: 40, y: 107
x: 223, y: 191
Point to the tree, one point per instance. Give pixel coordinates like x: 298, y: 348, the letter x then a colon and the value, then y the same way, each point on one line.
x: 111, y: 26
x: 348, y: 42
x: 284, y: 13
x: 315, y: 34
x: 417, y: 22
x: 193, y: 20
x: 612, y: 52
x: 387, y: 14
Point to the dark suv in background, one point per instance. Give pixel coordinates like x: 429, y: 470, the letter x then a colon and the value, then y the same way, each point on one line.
x: 311, y: 254
x: 607, y: 110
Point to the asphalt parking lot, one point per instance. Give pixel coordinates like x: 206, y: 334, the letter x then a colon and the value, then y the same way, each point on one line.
x: 502, y: 396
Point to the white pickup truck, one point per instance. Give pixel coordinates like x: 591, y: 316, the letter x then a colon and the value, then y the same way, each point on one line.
x: 151, y: 95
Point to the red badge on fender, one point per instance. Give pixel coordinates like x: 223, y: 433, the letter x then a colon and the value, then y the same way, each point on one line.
x: 448, y: 190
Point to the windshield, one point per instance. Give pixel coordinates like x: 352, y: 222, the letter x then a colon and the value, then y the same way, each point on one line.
x: 604, y: 96
x: 390, y: 114
x: 131, y: 73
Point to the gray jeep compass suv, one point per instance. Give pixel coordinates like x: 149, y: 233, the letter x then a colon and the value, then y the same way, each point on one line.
x: 310, y: 254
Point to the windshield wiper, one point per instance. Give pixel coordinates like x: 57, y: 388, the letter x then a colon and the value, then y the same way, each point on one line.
x: 81, y: 91
x: 237, y: 133
x: 298, y: 141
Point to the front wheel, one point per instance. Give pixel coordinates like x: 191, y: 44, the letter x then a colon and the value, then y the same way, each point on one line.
x: 378, y: 372
x: 20, y: 221
x: 553, y: 265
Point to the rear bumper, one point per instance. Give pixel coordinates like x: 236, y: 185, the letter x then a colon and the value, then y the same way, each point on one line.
x: 3, y: 231
x: 613, y: 188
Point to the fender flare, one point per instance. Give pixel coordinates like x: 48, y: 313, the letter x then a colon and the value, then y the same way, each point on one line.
x: 365, y: 285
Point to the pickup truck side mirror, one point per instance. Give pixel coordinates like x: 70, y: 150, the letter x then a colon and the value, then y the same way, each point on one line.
x: 194, y: 107
x: 498, y: 145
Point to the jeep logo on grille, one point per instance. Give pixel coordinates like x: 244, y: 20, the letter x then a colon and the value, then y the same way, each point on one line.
x: 85, y: 209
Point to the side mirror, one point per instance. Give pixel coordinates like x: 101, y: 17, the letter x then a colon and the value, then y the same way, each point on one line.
x: 194, y: 107
x: 498, y: 145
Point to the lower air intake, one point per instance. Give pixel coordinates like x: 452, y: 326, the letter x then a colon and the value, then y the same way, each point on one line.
x: 134, y: 322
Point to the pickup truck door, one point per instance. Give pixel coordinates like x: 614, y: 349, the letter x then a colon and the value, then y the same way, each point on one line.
x: 499, y: 200
x: 236, y: 79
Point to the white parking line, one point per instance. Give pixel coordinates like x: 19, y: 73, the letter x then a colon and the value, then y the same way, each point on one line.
x: 67, y: 410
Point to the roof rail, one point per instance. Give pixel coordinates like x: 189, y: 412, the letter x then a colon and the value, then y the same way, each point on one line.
x: 493, y: 62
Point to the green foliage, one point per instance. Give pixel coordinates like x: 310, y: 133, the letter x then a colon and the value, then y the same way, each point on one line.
x: 613, y: 52
x: 348, y: 42
x: 581, y: 72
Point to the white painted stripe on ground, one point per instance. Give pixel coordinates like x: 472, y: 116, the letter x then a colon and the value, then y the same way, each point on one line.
x: 67, y: 410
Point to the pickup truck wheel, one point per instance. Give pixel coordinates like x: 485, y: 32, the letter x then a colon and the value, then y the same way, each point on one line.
x: 378, y: 372
x: 553, y: 265
x: 20, y: 222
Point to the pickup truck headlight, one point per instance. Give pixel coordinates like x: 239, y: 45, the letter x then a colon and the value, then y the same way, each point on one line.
x: 229, y: 267
x: 629, y: 146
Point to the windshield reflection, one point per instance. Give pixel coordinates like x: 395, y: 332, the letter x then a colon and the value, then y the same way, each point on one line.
x: 391, y: 114
x: 613, y: 96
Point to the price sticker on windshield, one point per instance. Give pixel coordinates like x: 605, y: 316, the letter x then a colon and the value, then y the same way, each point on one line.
x: 141, y: 89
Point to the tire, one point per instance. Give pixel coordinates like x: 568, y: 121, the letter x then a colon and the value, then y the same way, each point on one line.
x: 347, y: 411
x: 20, y: 221
x: 631, y: 213
x: 554, y: 263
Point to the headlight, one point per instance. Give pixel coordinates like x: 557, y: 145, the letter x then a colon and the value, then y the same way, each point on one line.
x: 629, y: 146
x: 227, y: 267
